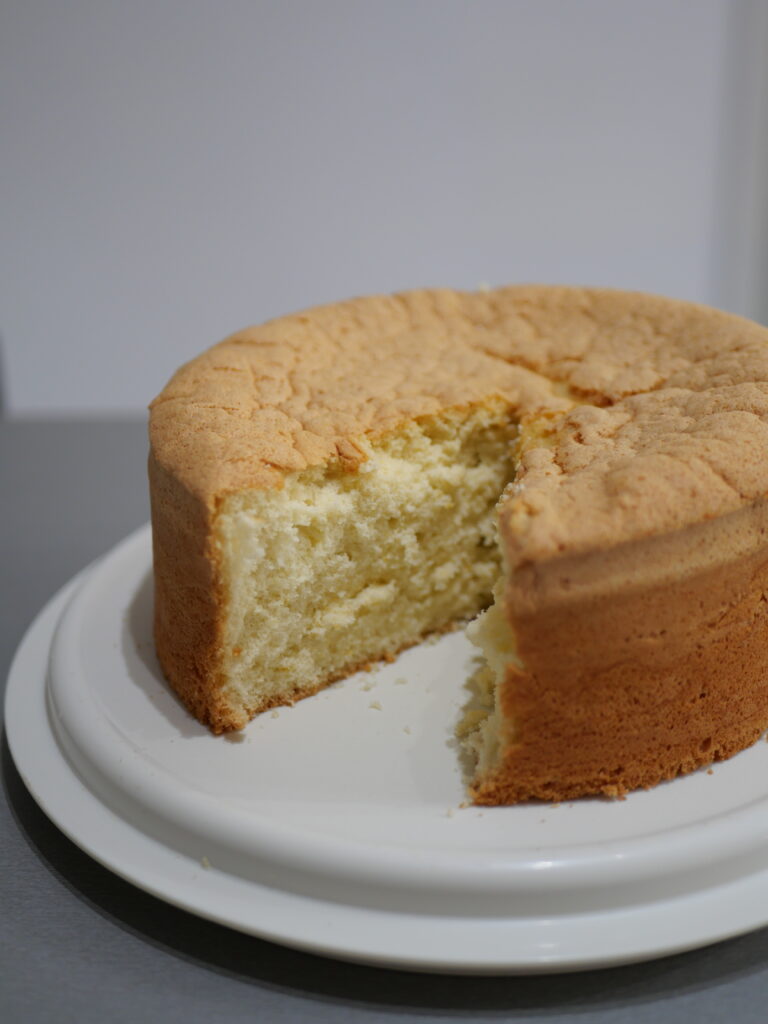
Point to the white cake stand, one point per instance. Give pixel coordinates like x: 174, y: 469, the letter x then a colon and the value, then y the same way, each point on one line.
x: 337, y: 826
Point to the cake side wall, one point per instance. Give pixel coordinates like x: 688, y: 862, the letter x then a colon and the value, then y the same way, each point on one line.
x: 188, y: 613
x: 644, y: 678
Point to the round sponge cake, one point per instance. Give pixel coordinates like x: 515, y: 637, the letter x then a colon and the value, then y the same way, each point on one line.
x: 330, y: 487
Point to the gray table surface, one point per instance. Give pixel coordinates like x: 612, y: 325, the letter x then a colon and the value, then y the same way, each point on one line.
x: 78, y: 944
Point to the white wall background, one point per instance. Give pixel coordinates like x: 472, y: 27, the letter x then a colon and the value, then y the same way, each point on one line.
x: 175, y: 169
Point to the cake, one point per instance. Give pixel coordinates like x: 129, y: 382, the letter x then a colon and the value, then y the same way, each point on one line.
x: 583, y: 472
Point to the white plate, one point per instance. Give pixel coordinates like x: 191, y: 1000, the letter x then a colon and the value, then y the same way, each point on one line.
x: 335, y: 826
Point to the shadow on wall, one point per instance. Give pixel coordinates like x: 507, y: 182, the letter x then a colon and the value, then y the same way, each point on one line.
x: 3, y: 402
x: 740, y: 260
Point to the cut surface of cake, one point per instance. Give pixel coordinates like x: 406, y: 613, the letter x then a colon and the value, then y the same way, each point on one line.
x: 361, y: 564
x: 586, y: 468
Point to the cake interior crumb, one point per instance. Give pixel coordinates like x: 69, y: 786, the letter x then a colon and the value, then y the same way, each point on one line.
x: 336, y: 569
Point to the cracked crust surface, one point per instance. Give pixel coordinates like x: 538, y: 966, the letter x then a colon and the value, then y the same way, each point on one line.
x: 677, y: 385
x: 649, y: 464
x: 648, y: 431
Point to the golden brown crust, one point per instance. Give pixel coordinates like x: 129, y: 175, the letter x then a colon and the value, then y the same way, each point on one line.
x: 649, y: 464
x: 658, y: 423
x: 295, y: 392
x: 642, y: 663
x: 187, y: 615
x: 284, y: 396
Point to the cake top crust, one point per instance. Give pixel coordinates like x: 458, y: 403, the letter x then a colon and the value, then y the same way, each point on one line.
x: 640, y: 414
